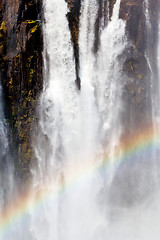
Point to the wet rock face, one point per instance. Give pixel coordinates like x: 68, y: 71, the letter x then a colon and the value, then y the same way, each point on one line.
x: 132, y: 12
x: 73, y: 20
x: 137, y: 85
x: 21, y: 72
x: 143, y: 44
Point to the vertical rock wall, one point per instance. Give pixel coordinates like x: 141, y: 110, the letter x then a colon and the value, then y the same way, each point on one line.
x: 141, y: 53
x: 21, y: 72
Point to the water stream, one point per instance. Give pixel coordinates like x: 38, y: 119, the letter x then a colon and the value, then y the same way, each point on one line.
x: 78, y: 125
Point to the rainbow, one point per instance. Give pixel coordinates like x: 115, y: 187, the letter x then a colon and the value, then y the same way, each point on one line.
x: 138, y: 142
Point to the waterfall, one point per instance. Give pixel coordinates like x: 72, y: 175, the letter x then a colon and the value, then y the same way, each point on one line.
x: 109, y: 84
x: 154, y: 92
x: 6, y: 164
x: 6, y: 161
x: 3, y: 133
x: 77, y: 125
x: 158, y: 63
x: 3, y: 147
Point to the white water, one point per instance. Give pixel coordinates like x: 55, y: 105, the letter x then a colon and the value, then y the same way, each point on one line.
x: 3, y: 134
x: 158, y: 61
x: 6, y: 163
x: 3, y: 147
x: 77, y: 125
x: 155, y: 95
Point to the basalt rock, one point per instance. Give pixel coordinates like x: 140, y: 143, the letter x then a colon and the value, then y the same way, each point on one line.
x: 73, y: 20
x: 21, y: 72
x: 141, y: 31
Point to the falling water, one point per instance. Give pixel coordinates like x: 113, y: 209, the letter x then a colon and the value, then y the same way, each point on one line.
x: 6, y: 163
x: 76, y: 124
x: 155, y: 92
x: 3, y: 147
x: 3, y: 133
x: 158, y: 63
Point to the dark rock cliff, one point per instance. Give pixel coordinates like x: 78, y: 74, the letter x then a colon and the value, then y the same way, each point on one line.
x: 142, y: 35
x: 21, y: 72
x: 21, y: 49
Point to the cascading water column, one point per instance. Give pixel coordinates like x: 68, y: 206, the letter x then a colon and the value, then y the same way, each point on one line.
x: 3, y: 130
x: 153, y: 78
x: 80, y: 210
x: 156, y: 108
x: 6, y: 165
x: 109, y: 86
x: 158, y: 64
x: 58, y: 121
x: 72, y: 124
x: 3, y: 148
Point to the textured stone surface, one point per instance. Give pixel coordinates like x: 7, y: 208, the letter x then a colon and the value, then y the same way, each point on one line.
x: 21, y: 71
x: 143, y: 44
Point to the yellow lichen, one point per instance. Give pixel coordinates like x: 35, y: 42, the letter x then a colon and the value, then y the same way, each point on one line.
x: 11, y: 81
x: 30, y: 21
x: 34, y: 29
x: 3, y: 27
x: 139, y: 76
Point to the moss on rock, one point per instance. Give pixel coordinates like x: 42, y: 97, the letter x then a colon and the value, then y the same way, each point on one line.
x: 22, y: 77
